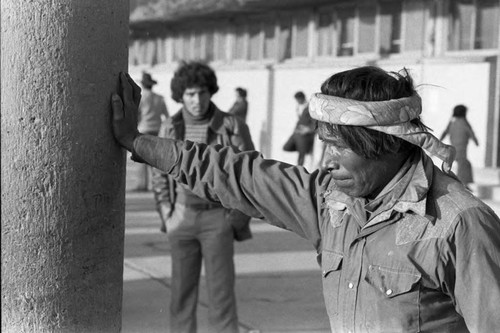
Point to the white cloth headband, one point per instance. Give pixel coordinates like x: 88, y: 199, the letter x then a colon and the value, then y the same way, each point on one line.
x: 391, y: 117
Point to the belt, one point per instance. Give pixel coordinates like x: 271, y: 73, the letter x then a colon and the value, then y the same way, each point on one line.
x: 202, y: 206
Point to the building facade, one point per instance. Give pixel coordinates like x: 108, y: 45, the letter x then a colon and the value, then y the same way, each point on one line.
x: 274, y: 48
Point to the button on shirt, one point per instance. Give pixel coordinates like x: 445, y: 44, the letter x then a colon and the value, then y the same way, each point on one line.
x: 424, y: 256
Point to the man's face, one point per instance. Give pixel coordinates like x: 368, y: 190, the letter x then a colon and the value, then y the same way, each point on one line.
x: 196, y: 100
x: 353, y: 174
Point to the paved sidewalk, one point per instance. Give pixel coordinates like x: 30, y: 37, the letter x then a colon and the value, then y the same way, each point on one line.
x: 278, y: 282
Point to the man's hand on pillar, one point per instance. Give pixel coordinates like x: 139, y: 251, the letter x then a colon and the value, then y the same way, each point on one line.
x: 125, y: 111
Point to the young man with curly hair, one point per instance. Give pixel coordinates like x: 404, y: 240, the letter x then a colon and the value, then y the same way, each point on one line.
x: 198, y: 229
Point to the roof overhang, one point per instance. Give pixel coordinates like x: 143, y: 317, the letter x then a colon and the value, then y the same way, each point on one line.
x: 150, y: 15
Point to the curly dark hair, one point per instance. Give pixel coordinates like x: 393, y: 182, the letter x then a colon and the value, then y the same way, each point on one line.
x: 368, y: 83
x: 192, y: 74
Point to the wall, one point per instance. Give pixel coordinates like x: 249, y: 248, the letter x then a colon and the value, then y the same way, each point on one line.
x: 442, y: 85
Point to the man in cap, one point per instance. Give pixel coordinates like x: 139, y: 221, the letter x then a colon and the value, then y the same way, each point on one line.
x: 152, y: 111
x: 403, y: 245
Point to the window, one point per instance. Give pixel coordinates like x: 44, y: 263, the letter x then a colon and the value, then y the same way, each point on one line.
x: 269, y: 40
x: 325, y: 34
x: 345, y: 30
x: 220, y: 44
x: 209, y: 45
x: 177, y: 50
x: 473, y: 24
x: 254, y: 41
x: 487, y: 24
x: 285, y: 39
x: 197, y: 46
x: 133, y: 52
x: 239, y: 43
x: 301, y: 37
x: 414, y: 25
x: 461, y: 24
x: 148, y: 52
x: 366, y: 35
x: 390, y: 27
x: 161, y: 50
x: 186, y: 46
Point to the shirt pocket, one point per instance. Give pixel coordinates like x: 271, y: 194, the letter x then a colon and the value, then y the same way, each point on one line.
x: 390, y: 281
x: 331, y: 264
x: 395, y: 299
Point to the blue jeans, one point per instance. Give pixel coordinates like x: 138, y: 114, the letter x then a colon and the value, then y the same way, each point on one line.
x: 193, y: 235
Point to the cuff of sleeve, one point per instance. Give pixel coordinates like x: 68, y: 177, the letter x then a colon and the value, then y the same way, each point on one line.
x: 160, y: 153
x: 135, y: 157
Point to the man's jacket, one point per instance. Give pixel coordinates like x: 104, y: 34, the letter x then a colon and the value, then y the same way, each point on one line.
x: 224, y: 129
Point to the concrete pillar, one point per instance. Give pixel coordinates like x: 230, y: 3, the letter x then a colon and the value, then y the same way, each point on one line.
x: 63, y: 176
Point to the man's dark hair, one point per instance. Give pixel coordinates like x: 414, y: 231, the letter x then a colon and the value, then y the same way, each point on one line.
x: 242, y: 92
x: 192, y: 74
x: 368, y: 84
x: 460, y: 111
x: 299, y: 95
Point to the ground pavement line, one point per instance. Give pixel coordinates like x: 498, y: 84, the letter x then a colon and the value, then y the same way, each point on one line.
x: 159, y: 267
x: 259, y: 227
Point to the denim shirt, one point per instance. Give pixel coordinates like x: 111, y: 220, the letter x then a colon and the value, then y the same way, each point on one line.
x: 427, y: 259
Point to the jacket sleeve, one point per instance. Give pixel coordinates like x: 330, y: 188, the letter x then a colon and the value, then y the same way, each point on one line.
x: 162, y: 186
x: 475, y: 253
x: 285, y: 195
x: 445, y: 132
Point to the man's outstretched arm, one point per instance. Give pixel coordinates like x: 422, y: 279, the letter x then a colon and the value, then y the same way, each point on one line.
x: 284, y: 194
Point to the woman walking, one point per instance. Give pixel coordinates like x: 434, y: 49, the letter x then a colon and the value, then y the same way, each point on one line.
x: 460, y: 133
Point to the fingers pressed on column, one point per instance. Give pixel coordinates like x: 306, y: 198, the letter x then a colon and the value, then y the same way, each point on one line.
x: 117, y: 106
x: 136, y: 90
x: 126, y: 89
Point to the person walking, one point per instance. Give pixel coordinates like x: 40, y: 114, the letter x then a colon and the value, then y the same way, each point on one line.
x: 198, y: 229
x: 240, y: 106
x: 403, y: 245
x: 302, y: 138
x: 152, y: 111
x: 460, y: 132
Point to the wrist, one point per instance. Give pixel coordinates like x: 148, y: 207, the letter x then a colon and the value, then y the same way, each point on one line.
x: 128, y: 142
x: 134, y: 156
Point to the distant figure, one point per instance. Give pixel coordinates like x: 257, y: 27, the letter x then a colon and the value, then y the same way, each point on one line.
x: 460, y: 132
x: 302, y: 104
x: 151, y: 110
x: 240, y: 106
x: 302, y: 139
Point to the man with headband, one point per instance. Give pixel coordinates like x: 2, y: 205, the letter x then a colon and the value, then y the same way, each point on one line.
x: 403, y: 245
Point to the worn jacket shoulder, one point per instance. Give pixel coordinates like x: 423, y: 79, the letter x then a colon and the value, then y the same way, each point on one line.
x: 449, y: 198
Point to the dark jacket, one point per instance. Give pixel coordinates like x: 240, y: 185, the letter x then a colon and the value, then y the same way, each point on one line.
x: 224, y: 129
